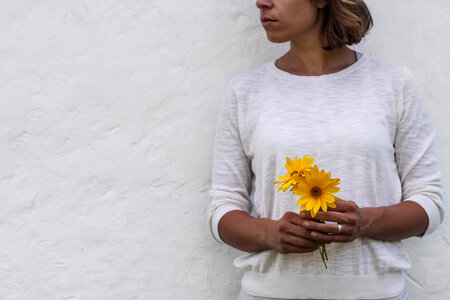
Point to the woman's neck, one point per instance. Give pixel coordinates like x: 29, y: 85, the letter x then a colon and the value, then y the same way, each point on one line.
x: 314, y: 60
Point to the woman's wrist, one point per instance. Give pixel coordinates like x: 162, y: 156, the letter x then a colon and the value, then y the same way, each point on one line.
x: 246, y: 233
x: 370, y: 217
x: 393, y: 223
x: 267, y: 239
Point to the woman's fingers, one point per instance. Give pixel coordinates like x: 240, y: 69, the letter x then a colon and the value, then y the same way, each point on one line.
x: 341, y: 206
x: 289, y: 236
x: 299, y: 233
x: 299, y: 241
x: 329, y: 238
x: 291, y: 223
x: 344, y: 206
x: 332, y: 216
x: 286, y: 248
x: 346, y: 214
x: 329, y: 228
x: 293, y: 218
x: 339, y: 217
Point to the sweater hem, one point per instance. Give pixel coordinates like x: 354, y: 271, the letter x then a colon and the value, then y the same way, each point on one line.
x: 290, y: 286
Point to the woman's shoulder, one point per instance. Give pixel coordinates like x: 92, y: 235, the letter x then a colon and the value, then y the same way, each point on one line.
x: 250, y: 77
x: 388, y: 68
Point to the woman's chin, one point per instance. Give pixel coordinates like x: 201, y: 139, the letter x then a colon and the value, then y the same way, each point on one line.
x: 276, y: 39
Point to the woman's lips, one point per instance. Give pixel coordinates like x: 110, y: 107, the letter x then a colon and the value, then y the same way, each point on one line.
x: 267, y: 21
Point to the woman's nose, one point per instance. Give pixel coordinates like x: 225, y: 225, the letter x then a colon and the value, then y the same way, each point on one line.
x: 264, y: 4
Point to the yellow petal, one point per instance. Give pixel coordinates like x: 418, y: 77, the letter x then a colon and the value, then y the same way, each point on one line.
x: 324, y: 206
x: 296, y: 163
x: 286, y: 185
x: 321, y: 180
x: 289, y: 164
x: 332, y: 189
x: 309, y: 180
x: 300, y: 191
x: 303, y: 184
x: 302, y: 201
x: 309, y: 162
x: 316, y: 206
x: 328, y: 198
x: 287, y: 176
x: 309, y: 205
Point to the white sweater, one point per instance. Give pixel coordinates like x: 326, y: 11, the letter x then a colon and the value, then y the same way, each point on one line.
x: 368, y: 126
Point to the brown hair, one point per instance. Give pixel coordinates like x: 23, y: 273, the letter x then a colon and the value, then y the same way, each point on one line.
x: 344, y: 22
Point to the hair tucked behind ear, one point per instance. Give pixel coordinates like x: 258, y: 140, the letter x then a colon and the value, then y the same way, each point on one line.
x: 344, y: 22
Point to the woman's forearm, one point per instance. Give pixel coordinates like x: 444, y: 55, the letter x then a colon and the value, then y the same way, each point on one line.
x: 244, y: 232
x: 392, y: 223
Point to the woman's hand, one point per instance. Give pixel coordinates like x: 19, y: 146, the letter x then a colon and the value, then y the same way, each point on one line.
x: 347, y: 214
x: 387, y: 223
x: 287, y: 235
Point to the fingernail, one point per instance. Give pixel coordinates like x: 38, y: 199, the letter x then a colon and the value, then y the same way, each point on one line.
x: 306, y: 224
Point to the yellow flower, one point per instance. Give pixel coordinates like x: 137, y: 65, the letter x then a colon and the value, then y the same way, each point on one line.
x: 316, y: 191
x: 296, y: 170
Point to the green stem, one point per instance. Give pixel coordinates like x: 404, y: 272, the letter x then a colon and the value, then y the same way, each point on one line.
x: 323, y: 254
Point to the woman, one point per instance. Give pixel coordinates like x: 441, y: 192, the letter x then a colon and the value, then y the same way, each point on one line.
x: 361, y: 119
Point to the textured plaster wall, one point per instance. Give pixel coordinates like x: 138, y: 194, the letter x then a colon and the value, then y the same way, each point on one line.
x: 108, y: 113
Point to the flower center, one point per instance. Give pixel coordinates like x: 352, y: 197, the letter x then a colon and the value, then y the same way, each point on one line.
x: 316, y: 192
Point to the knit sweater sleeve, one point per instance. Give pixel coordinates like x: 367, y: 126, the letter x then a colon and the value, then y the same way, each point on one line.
x: 232, y: 176
x: 416, y: 155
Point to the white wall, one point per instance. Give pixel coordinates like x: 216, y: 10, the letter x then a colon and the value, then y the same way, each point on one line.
x: 108, y: 113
